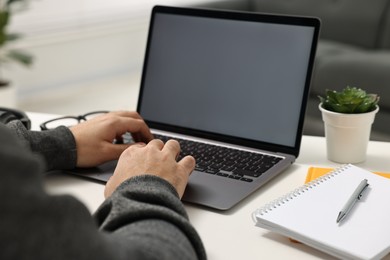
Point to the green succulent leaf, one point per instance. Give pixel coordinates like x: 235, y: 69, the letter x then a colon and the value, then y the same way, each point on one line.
x: 350, y: 100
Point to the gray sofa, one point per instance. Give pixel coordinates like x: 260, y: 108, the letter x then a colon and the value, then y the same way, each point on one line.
x: 354, y: 49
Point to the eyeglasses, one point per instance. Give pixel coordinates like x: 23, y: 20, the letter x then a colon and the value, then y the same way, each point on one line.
x: 69, y: 121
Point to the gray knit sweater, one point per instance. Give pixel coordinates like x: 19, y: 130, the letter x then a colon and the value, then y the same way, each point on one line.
x: 143, y: 219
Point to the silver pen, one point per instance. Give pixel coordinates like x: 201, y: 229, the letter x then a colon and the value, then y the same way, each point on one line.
x: 356, y: 195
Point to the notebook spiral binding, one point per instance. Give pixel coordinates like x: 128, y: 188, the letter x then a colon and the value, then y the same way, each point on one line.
x: 298, y: 191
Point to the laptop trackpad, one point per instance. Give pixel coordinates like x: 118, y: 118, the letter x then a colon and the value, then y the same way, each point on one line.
x: 215, y: 191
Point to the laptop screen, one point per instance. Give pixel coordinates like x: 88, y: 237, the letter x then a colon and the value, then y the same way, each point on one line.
x: 231, y: 76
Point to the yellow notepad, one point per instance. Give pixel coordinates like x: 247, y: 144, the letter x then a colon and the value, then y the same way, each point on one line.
x: 308, y: 214
x: 315, y: 172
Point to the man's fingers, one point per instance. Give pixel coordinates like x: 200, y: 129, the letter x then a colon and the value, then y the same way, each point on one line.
x: 172, y: 147
x: 138, y: 137
x: 188, y: 163
x: 156, y: 143
x: 117, y: 149
x: 137, y: 127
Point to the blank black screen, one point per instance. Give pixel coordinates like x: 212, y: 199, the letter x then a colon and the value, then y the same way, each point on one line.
x: 237, y: 78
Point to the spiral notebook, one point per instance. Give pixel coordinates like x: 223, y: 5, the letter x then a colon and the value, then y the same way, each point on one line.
x: 308, y: 214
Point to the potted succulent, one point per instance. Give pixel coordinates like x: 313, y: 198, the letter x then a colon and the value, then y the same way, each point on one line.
x: 348, y: 116
x: 6, y: 54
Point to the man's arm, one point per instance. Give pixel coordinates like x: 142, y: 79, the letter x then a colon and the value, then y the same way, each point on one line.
x: 149, y: 182
x: 142, y: 219
x: 87, y: 144
x: 34, y: 224
x: 146, y: 212
x: 57, y: 146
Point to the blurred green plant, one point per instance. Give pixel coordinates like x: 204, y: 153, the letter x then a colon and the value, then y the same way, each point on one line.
x: 350, y: 100
x: 7, y: 7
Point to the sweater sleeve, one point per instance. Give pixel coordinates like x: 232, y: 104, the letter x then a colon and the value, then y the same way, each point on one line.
x: 143, y: 219
x: 57, y: 146
x: 148, y: 212
x: 34, y: 224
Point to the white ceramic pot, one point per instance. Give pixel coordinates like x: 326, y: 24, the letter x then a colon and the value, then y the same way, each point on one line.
x: 347, y: 135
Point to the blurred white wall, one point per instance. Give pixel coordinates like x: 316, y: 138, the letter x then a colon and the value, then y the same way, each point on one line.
x: 76, y: 41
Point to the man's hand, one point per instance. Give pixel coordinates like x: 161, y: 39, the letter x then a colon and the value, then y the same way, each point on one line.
x: 94, y: 138
x: 154, y: 158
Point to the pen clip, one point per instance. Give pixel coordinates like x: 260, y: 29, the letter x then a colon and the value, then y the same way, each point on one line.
x: 361, y: 192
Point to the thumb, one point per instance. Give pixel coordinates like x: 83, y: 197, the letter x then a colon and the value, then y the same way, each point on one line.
x: 117, y: 149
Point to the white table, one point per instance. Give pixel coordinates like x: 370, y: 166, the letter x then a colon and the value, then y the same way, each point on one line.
x: 232, y: 234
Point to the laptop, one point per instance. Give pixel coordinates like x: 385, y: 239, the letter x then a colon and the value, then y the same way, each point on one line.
x: 232, y: 84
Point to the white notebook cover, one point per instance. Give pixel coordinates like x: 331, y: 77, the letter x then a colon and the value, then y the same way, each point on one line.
x: 308, y: 214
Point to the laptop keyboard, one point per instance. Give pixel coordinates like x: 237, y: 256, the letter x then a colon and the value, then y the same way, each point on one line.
x: 225, y: 162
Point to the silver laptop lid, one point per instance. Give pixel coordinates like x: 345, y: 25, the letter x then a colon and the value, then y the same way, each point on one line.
x: 241, y: 78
